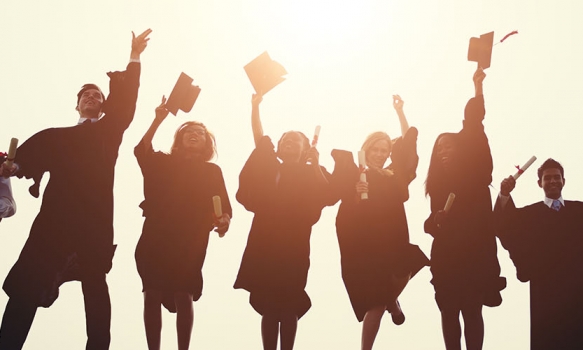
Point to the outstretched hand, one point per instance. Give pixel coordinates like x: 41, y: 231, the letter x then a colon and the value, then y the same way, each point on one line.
x: 507, y: 185
x: 139, y: 43
x: 161, y: 111
x: 398, y: 103
x: 256, y: 100
x: 478, y: 79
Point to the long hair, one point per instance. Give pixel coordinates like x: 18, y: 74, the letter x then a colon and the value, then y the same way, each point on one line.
x: 436, y: 176
x: 210, y: 149
x: 374, y: 138
x: 305, y: 144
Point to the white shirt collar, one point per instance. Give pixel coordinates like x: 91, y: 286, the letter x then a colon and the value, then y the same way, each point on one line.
x: 549, y: 201
x: 82, y: 120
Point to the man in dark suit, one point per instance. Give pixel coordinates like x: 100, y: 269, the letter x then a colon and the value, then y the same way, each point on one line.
x: 72, y: 236
x: 545, y: 242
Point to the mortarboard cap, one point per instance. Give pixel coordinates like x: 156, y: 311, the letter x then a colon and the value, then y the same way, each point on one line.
x: 183, y: 95
x: 480, y: 50
x: 264, y: 73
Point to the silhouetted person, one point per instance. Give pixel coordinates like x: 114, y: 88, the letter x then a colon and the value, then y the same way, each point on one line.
x: 178, y: 206
x: 464, y: 263
x: 377, y: 258
x: 545, y: 242
x: 287, y: 198
x: 72, y: 236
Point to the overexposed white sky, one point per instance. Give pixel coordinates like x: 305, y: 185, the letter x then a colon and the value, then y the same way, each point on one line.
x: 345, y: 59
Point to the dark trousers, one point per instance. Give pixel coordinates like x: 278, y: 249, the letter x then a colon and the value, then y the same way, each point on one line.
x: 19, y: 314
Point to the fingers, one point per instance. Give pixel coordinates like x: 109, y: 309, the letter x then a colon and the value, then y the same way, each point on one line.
x: 163, y: 101
x: 144, y: 34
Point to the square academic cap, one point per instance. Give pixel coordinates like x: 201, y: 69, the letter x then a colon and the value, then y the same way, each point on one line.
x: 264, y: 73
x: 480, y: 49
x: 183, y: 95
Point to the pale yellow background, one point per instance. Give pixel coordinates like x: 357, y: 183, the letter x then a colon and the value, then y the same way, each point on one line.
x: 345, y: 59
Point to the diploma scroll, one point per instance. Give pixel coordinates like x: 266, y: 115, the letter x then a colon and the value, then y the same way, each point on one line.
x: 449, y: 202
x: 12, y: 151
x: 316, y: 136
x: 523, y: 168
x: 218, y: 210
x: 362, y: 167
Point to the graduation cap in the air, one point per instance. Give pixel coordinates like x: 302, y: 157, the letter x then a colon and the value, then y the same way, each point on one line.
x: 480, y: 50
x: 183, y: 95
x: 264, y: 73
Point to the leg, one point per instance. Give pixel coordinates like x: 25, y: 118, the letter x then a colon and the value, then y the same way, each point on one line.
x: 288, y: 327
x: 153, y: 318
x: 370, y: 326
x: 97, y: 311
x: 269, y: 331
x: 18, y: 317
x: 473, y: 327
x: 450, y: 325
x: 394, y: 308
x: 184, y: 318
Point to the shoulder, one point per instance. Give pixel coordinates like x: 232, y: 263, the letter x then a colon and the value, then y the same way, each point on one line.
x: 575, y: 204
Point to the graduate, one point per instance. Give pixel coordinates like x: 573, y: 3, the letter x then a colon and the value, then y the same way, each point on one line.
x: 377, y: 258
x: 72, y: 236
x: 286, y: 189
x: 464, y: 264
x: 545, y: 242
x: 178, y: 206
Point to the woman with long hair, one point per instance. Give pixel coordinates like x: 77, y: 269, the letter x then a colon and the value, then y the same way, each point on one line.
x: 286, y: 189
x: 376, y: 255
x: 464, y: 263
x: 179, y: 188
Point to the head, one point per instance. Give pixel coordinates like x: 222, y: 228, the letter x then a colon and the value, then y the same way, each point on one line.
x: 377, y: 148
x: 441, y: 162
x: 293, y: 147
x: 551, y: 178
x: 89, y: 101
x: 193, y: 139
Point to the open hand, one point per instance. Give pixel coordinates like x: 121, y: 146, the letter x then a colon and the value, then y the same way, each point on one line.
x: 161, y: 111
x: 140, y: 42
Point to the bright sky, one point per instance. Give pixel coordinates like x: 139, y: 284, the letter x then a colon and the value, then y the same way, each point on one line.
x: 345, y: 59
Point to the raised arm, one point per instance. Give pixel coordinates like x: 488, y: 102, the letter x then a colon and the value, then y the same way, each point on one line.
x: 139, y: 44
x: 255, y: 119
x: 161, y: 114
x: 479, y: 76
x: 398, y: 105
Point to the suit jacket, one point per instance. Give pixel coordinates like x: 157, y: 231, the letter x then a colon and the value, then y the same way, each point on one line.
x: 73, y: 232
x: 546, y: 247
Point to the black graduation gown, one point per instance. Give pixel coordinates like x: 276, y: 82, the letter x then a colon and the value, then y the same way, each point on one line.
x: 73, y: 233
x: 464, y: 261
x: 287, y: 201
x: 178, y: 207
x: 546, y: 247
x: 373, y: 234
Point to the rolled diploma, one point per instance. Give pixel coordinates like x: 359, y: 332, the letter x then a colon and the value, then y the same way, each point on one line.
x: 449, y: 202
x: 316, y: 136
x: 12, y: 151
x: 524, y: 167
x: 362, y: 165
x: 218, y: 209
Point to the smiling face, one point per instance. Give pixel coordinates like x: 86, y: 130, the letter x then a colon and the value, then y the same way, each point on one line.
x: 292, y: 147
x: 552, y: 182
x: 193, y: 138
x: 445, y: 150
x: 378, y: 153
x: 89, y: 105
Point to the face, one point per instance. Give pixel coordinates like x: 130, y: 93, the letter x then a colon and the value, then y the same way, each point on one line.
x: 445, y: 149
x: 90, y: 103
x: 194, y: 138
x: 378, y: 153
x: 291, y: 147
x: 552, y: 183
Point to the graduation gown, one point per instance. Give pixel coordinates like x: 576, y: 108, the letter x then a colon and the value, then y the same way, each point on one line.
x: 287, y: 201
x: 73, y: 233
x: 464, y: 261
x: 179, y: 213
x: 546, y: 247
x: 373, y: 234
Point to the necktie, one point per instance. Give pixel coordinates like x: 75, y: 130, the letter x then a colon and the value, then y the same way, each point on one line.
x: 556, y: 205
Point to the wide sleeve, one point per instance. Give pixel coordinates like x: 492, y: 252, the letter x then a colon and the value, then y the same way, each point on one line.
x: 120, y: 105
x: 221, y: 191
x: 475, y: 155
x: 404, y: 161
x: 257, y: 180
x: 344, y: 176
